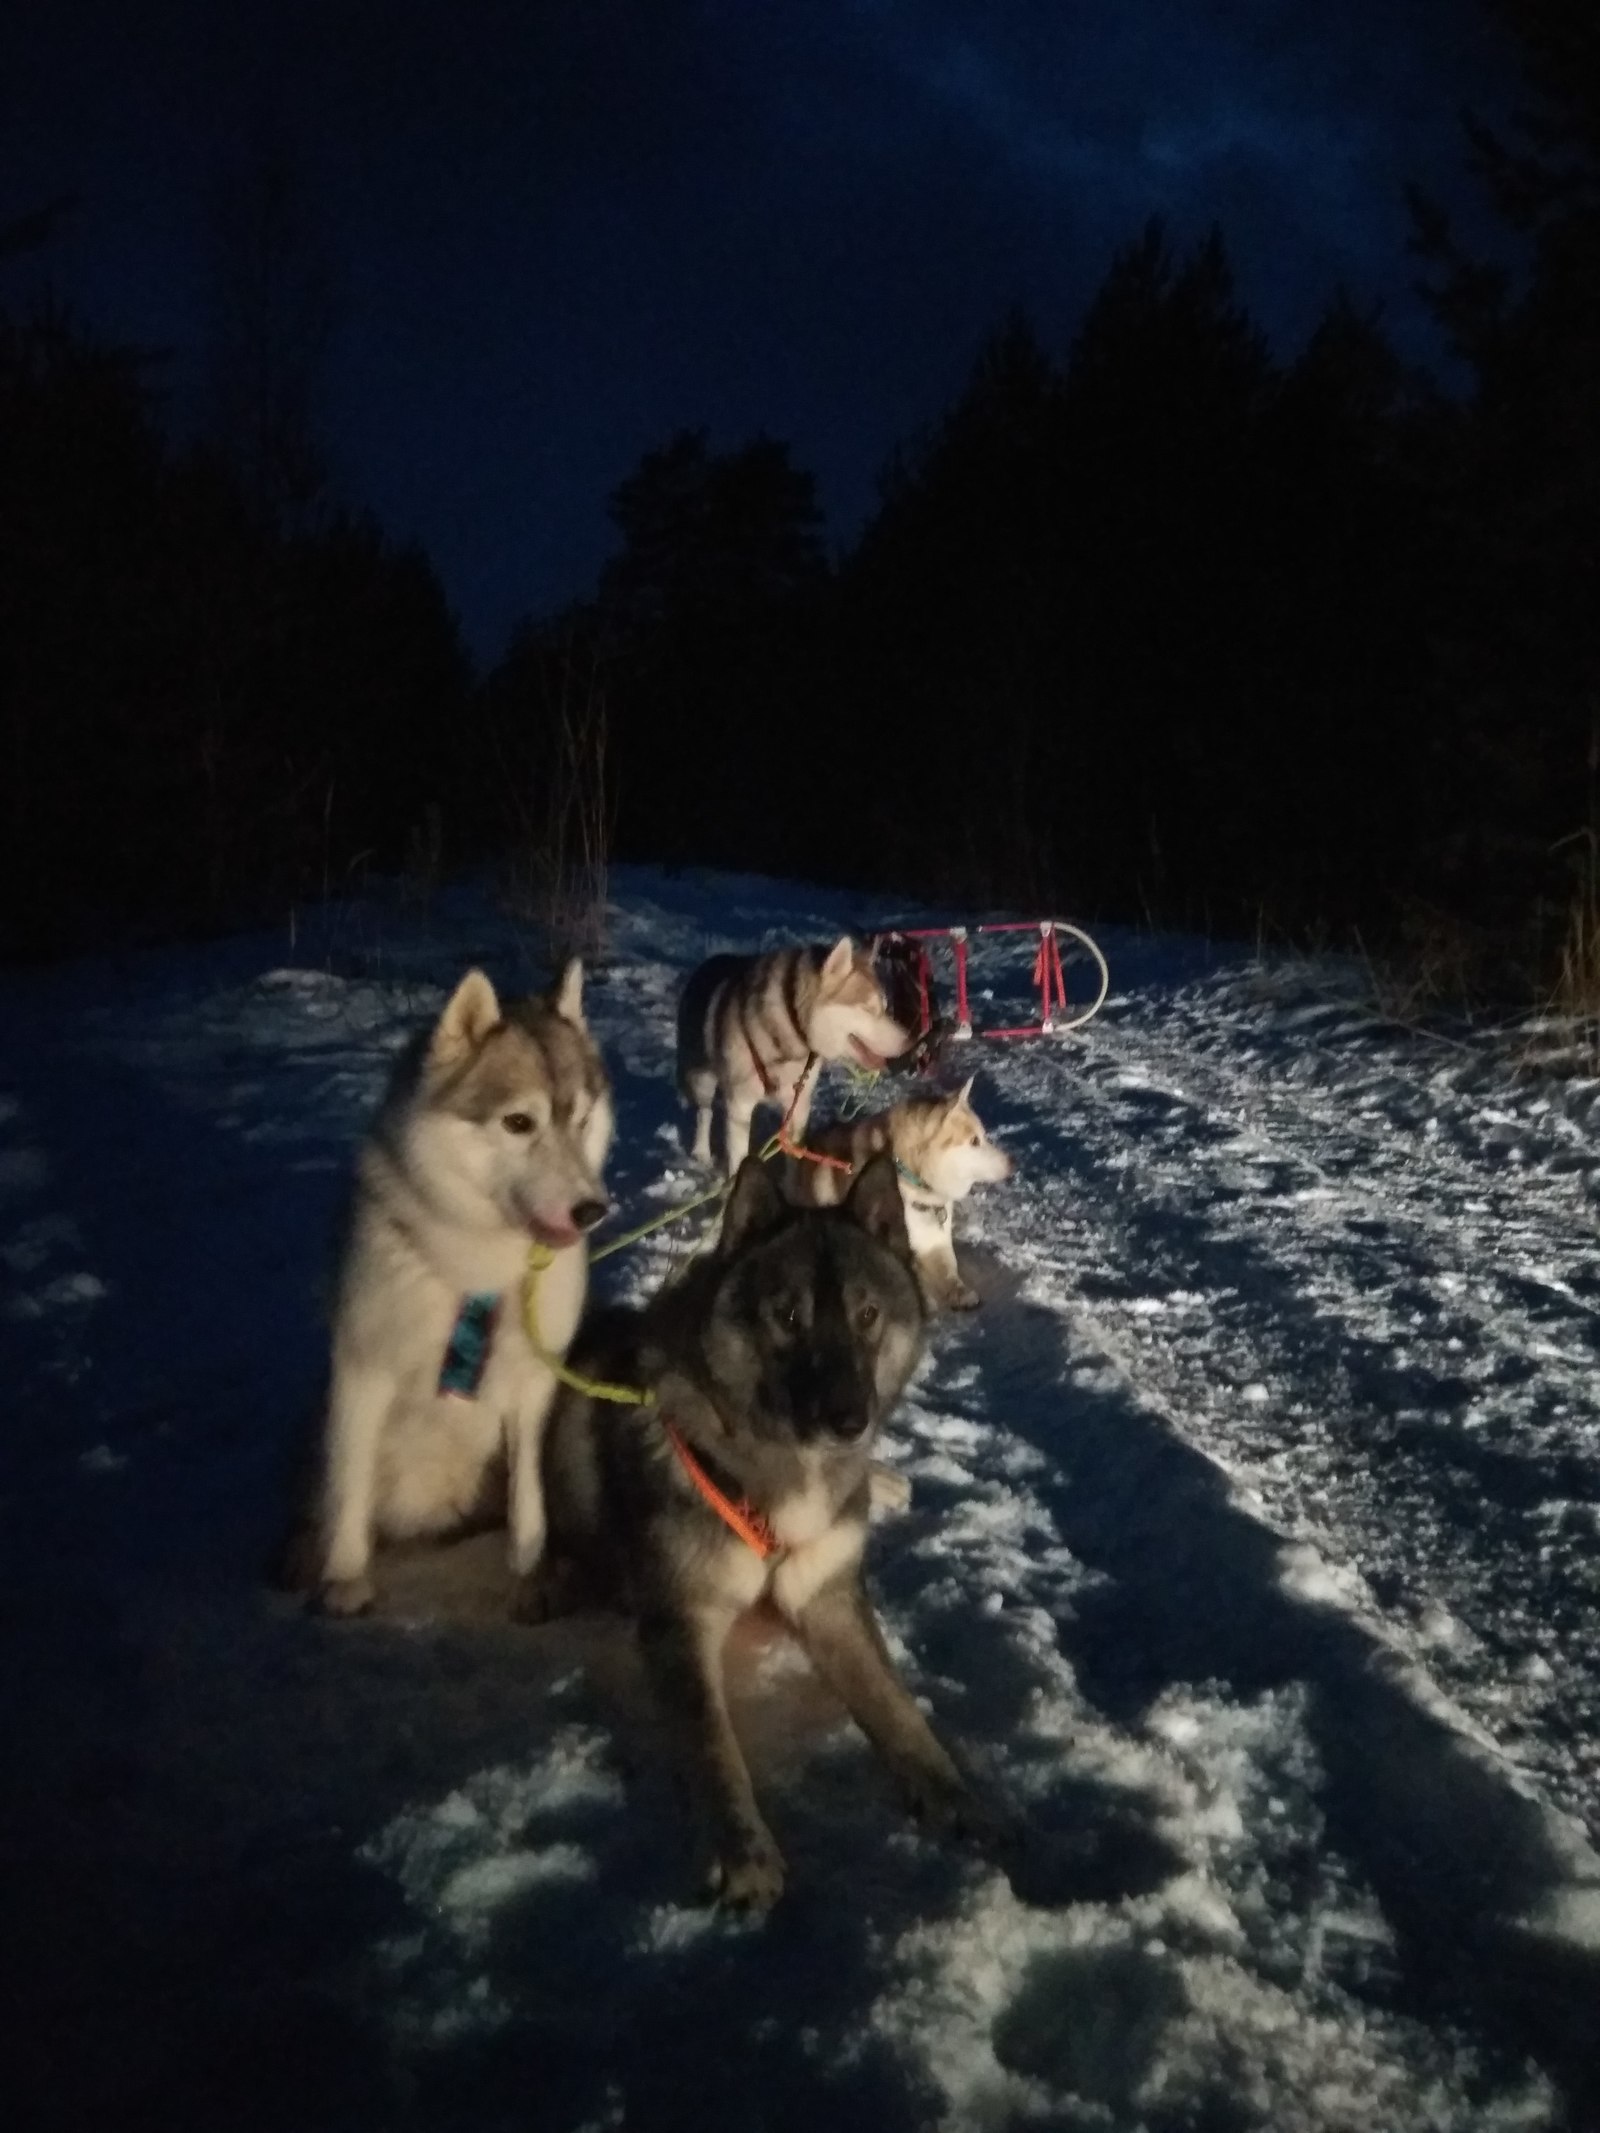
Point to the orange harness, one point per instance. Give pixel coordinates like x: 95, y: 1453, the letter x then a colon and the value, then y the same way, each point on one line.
x: 786, y: 1141
x: 752, y: 1526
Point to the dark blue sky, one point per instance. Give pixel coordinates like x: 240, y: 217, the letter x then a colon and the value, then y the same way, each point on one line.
x: 561, y: 229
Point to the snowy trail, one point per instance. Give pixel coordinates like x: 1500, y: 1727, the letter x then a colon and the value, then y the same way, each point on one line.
x: 1215, y: 1536
x: 1374, y: 1295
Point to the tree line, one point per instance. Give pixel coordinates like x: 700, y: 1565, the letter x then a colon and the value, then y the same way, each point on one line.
x: 206, y: 713
x: 1160, y: 625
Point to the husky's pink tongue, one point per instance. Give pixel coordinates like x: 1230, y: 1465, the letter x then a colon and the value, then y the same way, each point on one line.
x: 867, y: 1056
x: 557, y: 1235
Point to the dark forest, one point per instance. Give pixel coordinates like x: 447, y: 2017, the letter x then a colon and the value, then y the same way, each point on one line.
x: 1159, y: 626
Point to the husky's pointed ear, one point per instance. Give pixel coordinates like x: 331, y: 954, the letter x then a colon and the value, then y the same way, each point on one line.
x: 836, y: 964
x: 874, y: 1202
x: 566, y: 995
x: 755, y: 1206
x: 471, y: 1011
x: 963, y: 1095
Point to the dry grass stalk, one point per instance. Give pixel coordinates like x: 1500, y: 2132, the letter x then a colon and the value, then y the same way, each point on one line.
x: 559, y: 875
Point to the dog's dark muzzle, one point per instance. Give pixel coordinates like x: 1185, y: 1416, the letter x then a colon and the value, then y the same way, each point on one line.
x: 827, y: 1392
x: 846, y: 1428
x: 838, y: 1414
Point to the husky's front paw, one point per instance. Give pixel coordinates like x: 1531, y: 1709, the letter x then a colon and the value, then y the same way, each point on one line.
x: 887, y: 1489
x: 748, y: 1875
x: 545, y: 1594
x: 963, y: 1297
x: 345, y: 1596
x: 530, y: 1601
x: 945, y: 1808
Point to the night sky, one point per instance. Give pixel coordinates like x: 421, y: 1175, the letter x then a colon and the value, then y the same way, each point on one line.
x: 558, y: 230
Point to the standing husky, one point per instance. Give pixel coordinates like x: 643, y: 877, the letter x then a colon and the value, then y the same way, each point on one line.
x: 492, y: 1136
x: 771, y: 1362
x: 940, y: 1151
x: 747, y: 1025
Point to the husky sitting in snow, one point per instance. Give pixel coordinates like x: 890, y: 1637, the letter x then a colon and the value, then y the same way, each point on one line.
x: 492, y: 1136
x: 771, y: 1362
x: 748, y: 1024
x: 940, y: 1152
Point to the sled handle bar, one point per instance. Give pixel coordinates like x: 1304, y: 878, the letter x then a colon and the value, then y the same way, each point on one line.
x: 1047, y: 975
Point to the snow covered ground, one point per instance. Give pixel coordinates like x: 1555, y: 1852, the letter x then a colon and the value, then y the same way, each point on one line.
x: 1254, y: 1554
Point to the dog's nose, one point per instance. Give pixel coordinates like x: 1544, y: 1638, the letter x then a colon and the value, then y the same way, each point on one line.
x: 846, y: 1423
x: 588, y: 1212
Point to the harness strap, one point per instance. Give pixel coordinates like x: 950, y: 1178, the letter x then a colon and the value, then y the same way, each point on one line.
x: 786, y: 1140
x: 752, y: 1526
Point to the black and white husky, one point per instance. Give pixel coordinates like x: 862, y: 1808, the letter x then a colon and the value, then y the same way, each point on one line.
x: 748, y: 1024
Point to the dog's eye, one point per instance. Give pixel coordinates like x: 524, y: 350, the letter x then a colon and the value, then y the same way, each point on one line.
x: 867, y: 1316
x: 973, y: 1142
x: 518, y: 1122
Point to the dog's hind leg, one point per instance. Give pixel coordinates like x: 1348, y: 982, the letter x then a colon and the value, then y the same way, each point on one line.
x: 683, y: 1654
x: 358, y: 1402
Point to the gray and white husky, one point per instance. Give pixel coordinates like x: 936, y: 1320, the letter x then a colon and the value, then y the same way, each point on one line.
x: 492, y: 1137
x: 771, y: 1363
x: 940, y: 1152
x: 748, y: 1024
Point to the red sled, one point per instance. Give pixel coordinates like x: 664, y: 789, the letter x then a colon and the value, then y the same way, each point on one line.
x: 907, y: 956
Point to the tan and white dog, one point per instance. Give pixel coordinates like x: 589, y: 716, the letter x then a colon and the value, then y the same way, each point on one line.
x: 940, y: 1151
x: 748, y: 1024
x: 492, y: 1137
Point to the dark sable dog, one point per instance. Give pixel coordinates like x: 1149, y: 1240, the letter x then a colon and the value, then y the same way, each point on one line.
x: 771, y: 1364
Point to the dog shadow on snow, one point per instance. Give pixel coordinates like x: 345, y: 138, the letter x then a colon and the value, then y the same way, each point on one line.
x: 614, y: 1988
x: 212, y: 1931
x: 1194, y: 1590
x: 607, y: 1990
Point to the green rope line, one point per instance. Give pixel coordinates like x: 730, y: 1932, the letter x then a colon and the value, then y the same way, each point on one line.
x: 675, y: 1214
x: 671, y: 1214
x: 540, y: 1256
x: 861, y: 1086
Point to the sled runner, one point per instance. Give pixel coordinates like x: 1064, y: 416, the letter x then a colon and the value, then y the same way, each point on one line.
x: 906, y: 956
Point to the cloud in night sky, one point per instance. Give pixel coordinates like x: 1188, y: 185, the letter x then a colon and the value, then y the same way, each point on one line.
x: 564, y: 228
